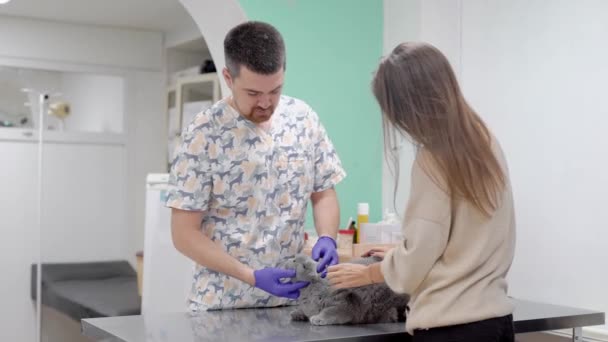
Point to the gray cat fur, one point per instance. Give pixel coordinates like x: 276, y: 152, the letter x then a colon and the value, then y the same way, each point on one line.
x: 320, y: 304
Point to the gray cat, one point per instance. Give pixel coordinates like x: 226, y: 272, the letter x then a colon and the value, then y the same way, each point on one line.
x: 320, y: 304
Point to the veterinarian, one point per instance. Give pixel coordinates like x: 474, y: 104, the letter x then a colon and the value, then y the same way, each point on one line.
x: 242, y: 177
x: 459, y: 227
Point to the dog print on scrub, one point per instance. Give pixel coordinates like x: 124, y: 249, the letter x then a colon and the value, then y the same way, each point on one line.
x: 254, y: 186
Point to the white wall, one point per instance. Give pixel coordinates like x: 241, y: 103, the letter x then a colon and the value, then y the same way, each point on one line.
x: 214, y: 25
x: 93, y: 192
x: 401, y: 24
x: 97, y: 102
x: 440, y: 25
x: 188, y: 32
x: 84, y: 211
x: 73, y: 43
x: 536, y: 71
x: 434, y: 21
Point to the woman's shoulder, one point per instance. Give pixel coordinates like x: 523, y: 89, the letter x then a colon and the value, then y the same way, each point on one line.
x: 426, y: 166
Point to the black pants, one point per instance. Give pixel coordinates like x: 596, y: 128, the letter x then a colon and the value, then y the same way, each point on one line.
x: 490, y: 330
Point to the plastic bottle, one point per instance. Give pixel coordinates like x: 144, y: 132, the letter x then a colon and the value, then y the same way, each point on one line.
x: 362, y: 217
x: 353, y: 227
x: 345, y: 240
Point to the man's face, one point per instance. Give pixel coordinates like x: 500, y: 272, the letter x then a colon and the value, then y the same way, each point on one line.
x: 254, y: 95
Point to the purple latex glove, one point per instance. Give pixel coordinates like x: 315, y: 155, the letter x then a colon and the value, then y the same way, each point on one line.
x: 269, y: 280
x: 325, y: 249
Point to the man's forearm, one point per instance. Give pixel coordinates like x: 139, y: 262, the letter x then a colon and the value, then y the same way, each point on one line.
x: 201, y: 249
x: 326, y: 212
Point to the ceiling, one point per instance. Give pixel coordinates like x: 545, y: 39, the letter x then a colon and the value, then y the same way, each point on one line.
x: 155, y: 15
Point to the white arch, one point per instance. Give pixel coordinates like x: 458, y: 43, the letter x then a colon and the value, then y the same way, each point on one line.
x: 214, y: 19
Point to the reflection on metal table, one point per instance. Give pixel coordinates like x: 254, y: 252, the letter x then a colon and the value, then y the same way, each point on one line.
x: 274, y: 324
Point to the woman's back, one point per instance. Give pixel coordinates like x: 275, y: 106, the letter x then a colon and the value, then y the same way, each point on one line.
x: 470, y: 251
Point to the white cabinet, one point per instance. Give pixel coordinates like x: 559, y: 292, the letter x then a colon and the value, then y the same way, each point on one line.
x: 84, y: 210
x: 189, y: 96
x: 167, y: 274
x: 19, y: 244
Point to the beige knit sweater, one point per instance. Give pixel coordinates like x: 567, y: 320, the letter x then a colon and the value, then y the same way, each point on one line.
x: 454, y: 260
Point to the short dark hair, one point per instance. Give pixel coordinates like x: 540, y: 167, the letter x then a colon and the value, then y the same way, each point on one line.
x: 256, y: 45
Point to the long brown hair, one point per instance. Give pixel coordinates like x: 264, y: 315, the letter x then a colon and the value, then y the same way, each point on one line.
x: 419, y: 96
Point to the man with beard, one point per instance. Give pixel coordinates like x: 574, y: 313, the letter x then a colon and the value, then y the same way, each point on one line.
x: 242, y: 177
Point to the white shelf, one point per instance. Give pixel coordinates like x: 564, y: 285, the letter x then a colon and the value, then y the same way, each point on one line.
x: 183, y: 96
x: 193, y: 79
x: 31, y: 135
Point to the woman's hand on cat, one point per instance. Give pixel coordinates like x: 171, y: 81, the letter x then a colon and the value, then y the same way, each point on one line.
x: 347, y: 275
x: 379, y: 252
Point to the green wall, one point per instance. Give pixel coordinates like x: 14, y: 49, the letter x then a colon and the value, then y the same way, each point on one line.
x: 333, y: 46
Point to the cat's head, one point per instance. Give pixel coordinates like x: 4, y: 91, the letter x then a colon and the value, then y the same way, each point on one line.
x: 305, y: 266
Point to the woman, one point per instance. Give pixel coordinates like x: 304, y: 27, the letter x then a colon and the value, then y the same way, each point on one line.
x: 459, y: 227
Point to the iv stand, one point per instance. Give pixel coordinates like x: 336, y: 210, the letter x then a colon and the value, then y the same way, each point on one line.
x: 42, y: 102
x: 43, y: 99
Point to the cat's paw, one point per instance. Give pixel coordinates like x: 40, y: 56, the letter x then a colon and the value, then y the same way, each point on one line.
x: 316, y: 320
x: 298, y: 315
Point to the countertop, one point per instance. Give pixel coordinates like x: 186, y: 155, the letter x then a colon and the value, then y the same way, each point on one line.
x: 274, y: 324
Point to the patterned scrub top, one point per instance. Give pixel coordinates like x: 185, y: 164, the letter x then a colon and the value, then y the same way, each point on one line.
x: 254, y: 185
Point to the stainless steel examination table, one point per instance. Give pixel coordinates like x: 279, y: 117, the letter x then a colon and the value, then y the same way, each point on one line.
x: 275, y: 324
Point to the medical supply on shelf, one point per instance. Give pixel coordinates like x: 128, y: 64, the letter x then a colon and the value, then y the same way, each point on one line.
x: 345, y: 239
x: 386, y: 231
x: 362, y: 217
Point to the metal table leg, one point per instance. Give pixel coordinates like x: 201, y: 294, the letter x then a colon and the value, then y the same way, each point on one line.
x: 577, y: 334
